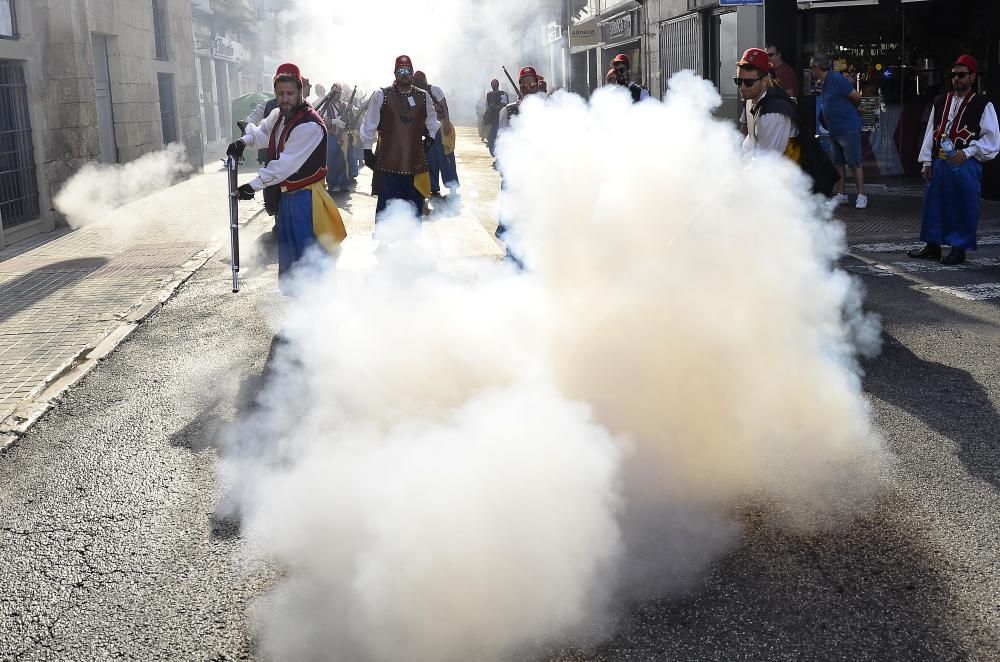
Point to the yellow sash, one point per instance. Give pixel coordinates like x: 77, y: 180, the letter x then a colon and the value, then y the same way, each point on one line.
x: 328, y: 226
x: 448, y: 137
x: 794, y: 150
x: 422, y: 182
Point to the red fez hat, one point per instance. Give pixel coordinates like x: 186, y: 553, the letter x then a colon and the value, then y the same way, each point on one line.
x: 289, y: 69
x: 756, y: 58
x: 624, y: 59
x: 404, y: 61
x: 528, y: 71
x: 967, y: 61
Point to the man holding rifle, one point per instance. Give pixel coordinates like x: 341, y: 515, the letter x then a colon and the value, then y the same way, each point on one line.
x: 528, y: 83
x: 296, y: 141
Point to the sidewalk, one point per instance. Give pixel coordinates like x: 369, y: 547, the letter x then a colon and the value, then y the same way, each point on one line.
x: 69, y: 297
x: 897, y: 215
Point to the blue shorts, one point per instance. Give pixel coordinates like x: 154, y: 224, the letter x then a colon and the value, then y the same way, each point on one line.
x: 846, y: 148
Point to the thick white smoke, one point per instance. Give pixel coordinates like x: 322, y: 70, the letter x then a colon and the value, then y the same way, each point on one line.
x: 460, y: 45
x: 97, y: 189
x: 457, y: 468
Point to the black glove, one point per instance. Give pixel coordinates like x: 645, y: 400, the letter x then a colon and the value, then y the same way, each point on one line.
x: 242, y: 126
x: 245, y: 192
x: 428, y: 145
x: 370, y: 159
x: 235, y: 149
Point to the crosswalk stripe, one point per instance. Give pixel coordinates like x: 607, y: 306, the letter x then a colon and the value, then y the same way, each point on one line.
x: 985, y: 240
x: 975, y: 292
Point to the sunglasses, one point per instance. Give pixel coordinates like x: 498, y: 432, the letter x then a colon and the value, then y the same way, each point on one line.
x: 958, y: 74
x: 404, y: 71
x: 748, y: 82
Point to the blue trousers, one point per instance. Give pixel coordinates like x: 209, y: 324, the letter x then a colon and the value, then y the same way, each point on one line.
x: 951, y: 204
x: 295, y: 228
x: 336, y: 164
x: 398, y: 187
x: 442, y: 166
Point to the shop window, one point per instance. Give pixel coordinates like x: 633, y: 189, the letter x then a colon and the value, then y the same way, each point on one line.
x: 18, y: 179
x: 8, y: 20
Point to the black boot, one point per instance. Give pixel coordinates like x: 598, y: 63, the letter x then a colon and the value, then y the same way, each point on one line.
x: 954, y: 256
x: 928, y: 252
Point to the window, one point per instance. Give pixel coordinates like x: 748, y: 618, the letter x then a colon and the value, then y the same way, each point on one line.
x: 168, y: 113
x: 159, y: 29
x: 8, y: 21
x: 18, y: 183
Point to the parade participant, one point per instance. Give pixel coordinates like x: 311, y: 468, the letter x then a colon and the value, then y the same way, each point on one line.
x: 527, y: 80
x: 296, y: 141
x: 623, y: 76
x: 496, y: 100
x: 441, y: 159
x: 336, y: 154
x: 962, y: 134
x: 403, y: 119
x: 771, y: 116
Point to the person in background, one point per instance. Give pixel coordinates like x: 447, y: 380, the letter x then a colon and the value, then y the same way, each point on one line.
x: 962, y: 134
x: 527, y: 80
x: 441, y: 158
x: 787, y: 79
x: 337, y: 179
x: 839, y: 101
x: 496, y: 100
x: 622, y: 66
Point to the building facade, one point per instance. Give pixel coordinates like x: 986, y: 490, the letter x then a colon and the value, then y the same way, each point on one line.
x: 88, y: 80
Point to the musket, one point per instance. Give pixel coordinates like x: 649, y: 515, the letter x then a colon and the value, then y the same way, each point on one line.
x: 517, y: 88
x: 234, y: 226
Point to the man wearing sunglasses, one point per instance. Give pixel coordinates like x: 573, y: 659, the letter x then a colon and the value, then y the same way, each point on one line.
x: 839, y: 101
x: 527, y: 80
x: 962, y: 134
x: 772, y: 118
x: 787, y: 79
x: 403, y: 120
x: 622, y: 66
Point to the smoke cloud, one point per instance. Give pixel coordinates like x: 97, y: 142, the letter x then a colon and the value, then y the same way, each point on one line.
x: 468, y: 468
x: 97, y: 189
x: 460, y: 45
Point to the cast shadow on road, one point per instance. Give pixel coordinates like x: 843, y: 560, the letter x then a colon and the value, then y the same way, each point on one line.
x: 865, y: 593
x: 948, y: 400
x: 27, y: 289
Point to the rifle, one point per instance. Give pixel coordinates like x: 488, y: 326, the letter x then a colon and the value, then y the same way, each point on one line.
x: 234, y: 226
x: 517, y: 88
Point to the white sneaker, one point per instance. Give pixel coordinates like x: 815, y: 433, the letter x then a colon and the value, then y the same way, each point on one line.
x: 840, y: 199
x: 862, y: 202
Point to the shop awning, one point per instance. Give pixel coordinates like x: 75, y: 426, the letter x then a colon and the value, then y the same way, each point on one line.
x: 824, y: 4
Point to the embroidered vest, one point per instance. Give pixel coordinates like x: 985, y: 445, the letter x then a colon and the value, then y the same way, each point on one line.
x: 401, y: 129
x: 967, y: 125
x: 314, y: 167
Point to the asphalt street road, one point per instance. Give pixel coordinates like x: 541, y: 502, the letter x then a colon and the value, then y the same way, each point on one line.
x: 107, y: 549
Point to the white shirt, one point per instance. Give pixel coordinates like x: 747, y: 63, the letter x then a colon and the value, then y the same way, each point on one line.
x: 369, y: 128
x: 767, y: 133
x: 257, y: 115
x: 301, y: 142
x: 983, y: 149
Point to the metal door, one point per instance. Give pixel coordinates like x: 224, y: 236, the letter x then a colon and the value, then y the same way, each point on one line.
x: 680, y: 48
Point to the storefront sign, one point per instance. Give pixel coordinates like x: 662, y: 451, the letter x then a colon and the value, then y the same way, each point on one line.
x: 620, y: 28
x: 870, y: 108
x: 584, y: 34
x: 226, y: 49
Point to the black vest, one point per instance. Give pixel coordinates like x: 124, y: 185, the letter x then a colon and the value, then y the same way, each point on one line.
x: 967, y: 125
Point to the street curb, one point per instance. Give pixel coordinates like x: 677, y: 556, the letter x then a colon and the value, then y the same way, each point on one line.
x: 46, y: 395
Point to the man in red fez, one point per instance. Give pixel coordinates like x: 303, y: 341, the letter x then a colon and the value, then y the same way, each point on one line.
x: 527, y: 80
x: 296, y: 140
x: 962, y: 134
x: 622, y: 66
x: 403, y: 120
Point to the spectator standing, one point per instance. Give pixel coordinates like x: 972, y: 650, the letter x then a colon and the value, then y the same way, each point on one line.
x: 787, y: 79
x: 771, y: 116
x: 839, y: 101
